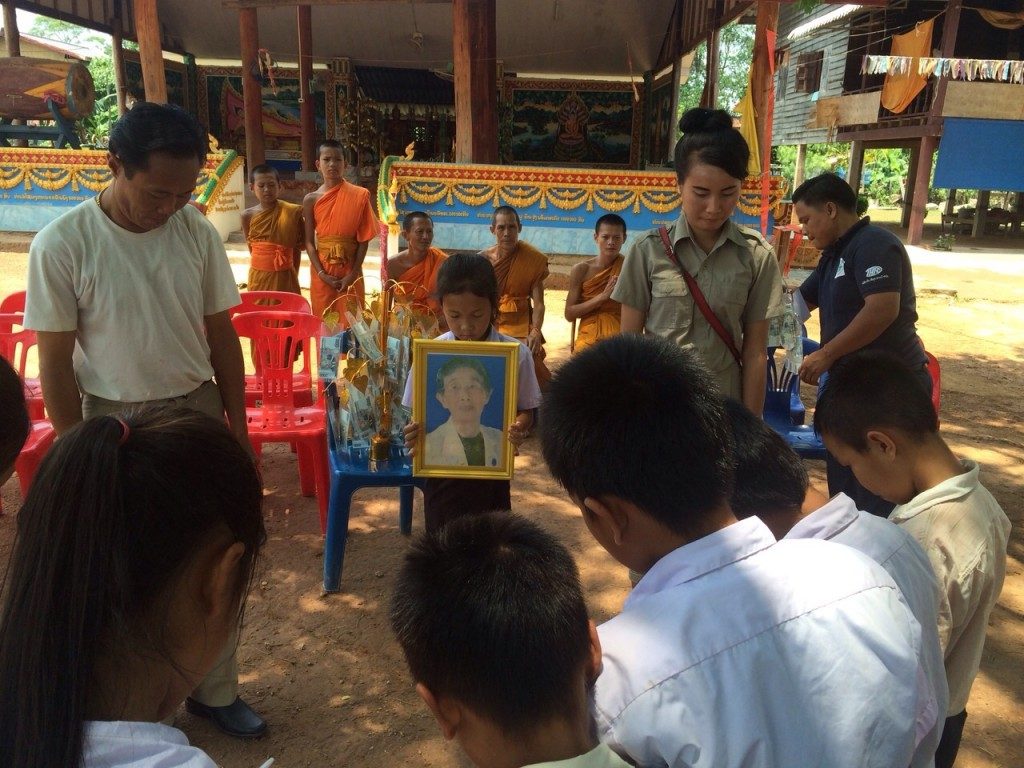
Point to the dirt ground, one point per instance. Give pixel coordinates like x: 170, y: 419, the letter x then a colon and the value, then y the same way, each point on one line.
x: 330, y: 680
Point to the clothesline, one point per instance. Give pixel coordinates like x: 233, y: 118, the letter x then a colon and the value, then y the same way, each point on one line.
x: 1002, y: 70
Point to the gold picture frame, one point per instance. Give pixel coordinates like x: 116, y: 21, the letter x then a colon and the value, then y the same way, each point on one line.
x: 470, y: 367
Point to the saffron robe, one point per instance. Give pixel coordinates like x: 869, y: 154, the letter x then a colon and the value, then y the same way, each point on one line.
x: 419, y: 282
x: 343, y: 218
x: 604, y: 321
x: 275, y: 242
x: 517, y: 274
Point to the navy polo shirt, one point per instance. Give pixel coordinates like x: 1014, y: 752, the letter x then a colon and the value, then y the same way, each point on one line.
x: 865, y: 260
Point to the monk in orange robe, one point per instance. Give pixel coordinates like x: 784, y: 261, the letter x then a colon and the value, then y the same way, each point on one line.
x: 275, y: 233
x: 339, y: 226
x: 591, y: 282
x: 414, y: 270
x: 521, y: 270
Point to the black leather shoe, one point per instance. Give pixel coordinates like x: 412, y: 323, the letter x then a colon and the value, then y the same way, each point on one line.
x: 236, y: 719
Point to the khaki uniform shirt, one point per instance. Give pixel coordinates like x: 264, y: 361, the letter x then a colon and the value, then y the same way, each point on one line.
x: 740, y: 279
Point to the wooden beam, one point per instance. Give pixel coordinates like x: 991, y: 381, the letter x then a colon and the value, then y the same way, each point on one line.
x: 474, y: 45
x: 252, y: 89
x: 981, y: 213
x: 117, y: 60
x: 853, y: 178
x: 147, y: 30
x: 762, y: 84
x: 911, y: 186
x: 237, y: 4
x: 947, y: 47
x: 307, y: 115
x: 709, y: 96
x: 800, y: 166
x: 922, y: 182
x: 11, y: 35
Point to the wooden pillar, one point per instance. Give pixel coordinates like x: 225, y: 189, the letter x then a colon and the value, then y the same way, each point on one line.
x: 151, y: 56
x: 762, y: 84
x: 252, y: 93
x: 117, y: 60
x: 981, y: 213
x: 474, y: 47
x: 922, y: 182
x: 307, y: 115
x: 950, y: 202
x: 947, y: 47
x: 853, y: 178
x: 911, y: 186
x: 709, y: 96
x: 801, y: 164
x: 11, y: 35
x: 1018, y: 212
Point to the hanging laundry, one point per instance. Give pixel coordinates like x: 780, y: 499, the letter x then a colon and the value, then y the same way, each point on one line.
x: 901, y: 89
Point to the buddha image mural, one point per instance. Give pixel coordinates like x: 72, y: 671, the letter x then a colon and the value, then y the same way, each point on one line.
x: 571, y: 134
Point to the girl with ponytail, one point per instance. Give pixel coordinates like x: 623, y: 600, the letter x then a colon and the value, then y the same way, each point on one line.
x: 134, y: 553
x: 704, y: 282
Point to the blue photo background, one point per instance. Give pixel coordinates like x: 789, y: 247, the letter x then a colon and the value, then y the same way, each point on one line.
x: 493, y: 415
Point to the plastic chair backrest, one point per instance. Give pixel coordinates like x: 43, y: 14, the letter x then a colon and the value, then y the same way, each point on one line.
x: 15, y: 344
x: 14, y: 302
x: 275, y: 337
x: 272, y: 301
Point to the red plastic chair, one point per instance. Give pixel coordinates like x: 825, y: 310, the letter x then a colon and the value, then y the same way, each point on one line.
x: 935, y: 372
x: 15, y: 342
x: 14, y: 302
x: 274, y: 336
x: 40, y: 438
x: 302, y: 384
x: 272, y: 301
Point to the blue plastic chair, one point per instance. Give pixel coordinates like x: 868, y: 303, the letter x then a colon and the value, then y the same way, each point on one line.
x: 349, y: 471
x: 785, y: 413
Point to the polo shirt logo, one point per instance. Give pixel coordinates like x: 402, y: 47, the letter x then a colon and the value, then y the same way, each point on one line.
x: 841, y: 269
x: 872, y: 271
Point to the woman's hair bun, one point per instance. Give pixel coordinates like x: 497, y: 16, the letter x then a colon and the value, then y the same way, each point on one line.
x: 701, y: 120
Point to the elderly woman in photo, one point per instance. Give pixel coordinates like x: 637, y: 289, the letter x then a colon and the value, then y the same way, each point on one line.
x: 464, y: 389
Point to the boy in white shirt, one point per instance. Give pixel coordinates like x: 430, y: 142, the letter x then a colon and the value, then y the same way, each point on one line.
x: 490, y: 614
x: 733, y: 649
x: 772, y: 483
x: 876, y: 419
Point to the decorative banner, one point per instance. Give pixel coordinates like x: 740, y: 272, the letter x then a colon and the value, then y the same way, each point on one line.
x: 558, y: 206
x: 1002, y: 70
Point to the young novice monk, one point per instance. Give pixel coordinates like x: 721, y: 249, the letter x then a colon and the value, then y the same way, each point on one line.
x: 275, y: 233
x: 591, y: 282
x: 490, y: 614
x: 733, y: 649
x: 876, y: 418
x: 464, y: 389
x: 339, y: 226
x: 415, y: 268
x: 771, y: 483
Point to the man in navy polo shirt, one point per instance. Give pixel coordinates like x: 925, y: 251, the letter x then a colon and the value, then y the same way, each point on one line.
x: 864, y: 288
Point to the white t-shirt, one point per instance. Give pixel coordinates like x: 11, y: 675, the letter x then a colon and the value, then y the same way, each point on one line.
x: 137, y: 300
x: 737, y: 650
x: 122, y: 744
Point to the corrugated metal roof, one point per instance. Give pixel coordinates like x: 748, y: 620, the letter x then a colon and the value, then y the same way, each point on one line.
x: 832, y: 16
x: 394, y: 85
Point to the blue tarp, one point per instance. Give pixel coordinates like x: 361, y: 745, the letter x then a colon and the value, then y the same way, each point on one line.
x: 981, y: 154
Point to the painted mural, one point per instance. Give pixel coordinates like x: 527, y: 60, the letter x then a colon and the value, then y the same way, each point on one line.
x: 224, y: 111
x: 660, y: 130
x: 573, y: 123
x: 175, y: 75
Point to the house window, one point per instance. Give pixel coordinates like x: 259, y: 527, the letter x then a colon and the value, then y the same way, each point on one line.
x: 808, y: 71
x: 782, y: 74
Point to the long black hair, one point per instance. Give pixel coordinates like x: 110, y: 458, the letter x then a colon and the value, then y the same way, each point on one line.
x: 117, y: 512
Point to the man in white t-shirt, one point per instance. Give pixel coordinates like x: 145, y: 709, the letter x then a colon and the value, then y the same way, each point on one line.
x: 130, y: 295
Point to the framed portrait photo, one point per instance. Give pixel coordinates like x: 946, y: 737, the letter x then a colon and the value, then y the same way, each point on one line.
x: 464, y: 398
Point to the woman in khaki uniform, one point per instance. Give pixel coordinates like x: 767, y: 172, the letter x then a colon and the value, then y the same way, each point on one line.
x: 733, y: 267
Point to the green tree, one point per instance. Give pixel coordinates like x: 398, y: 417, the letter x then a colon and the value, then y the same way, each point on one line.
x: 735, y: 51
x: 95, y: 128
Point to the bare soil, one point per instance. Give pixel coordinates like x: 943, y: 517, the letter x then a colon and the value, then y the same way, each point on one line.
x: 331, y: 681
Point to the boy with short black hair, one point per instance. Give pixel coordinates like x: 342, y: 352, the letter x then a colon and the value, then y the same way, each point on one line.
x: 591, y: 283
x: 875, y: 419
x: 772, y: 483
x: 274, y: 231
x: 733, y: 648
x: 490, y: 614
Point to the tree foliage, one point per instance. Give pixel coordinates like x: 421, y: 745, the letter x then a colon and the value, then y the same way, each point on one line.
x: 735, y: 51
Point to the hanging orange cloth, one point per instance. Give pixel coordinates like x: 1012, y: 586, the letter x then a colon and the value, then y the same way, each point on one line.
x: 343, y: 219
x: 900, y: 90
